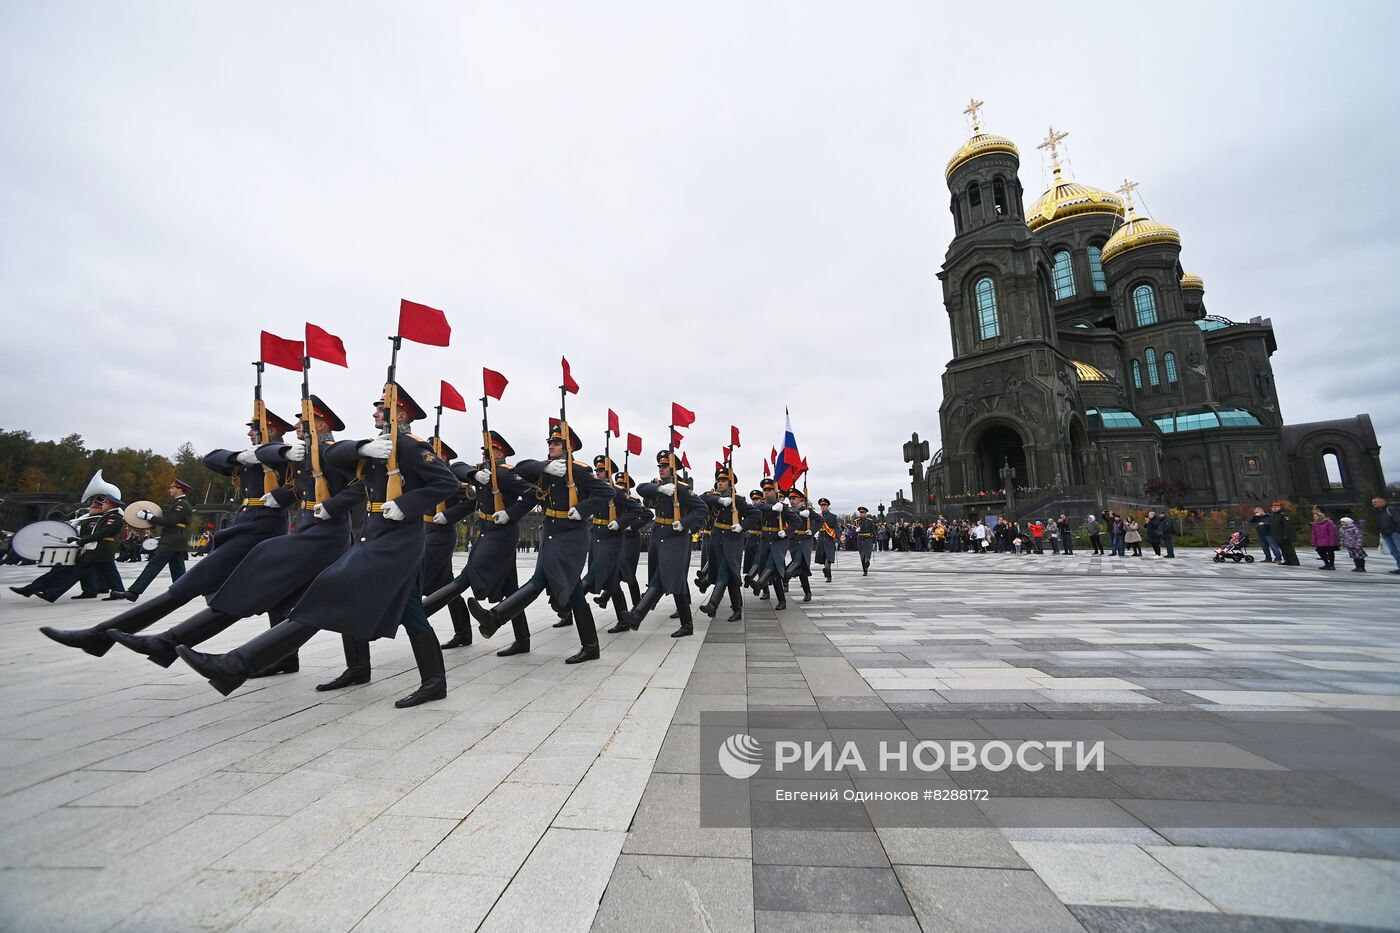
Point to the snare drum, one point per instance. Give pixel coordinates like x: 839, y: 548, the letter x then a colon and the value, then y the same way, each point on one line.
x: 58, y: 557
x: 149, y: 545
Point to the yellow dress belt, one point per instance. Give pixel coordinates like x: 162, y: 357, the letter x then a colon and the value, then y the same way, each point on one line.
x: 308, y: 506
x: 866, y: 534
x: 600, y: 521
x: 802, y: 534
x: 252, y: 502
x: 722, y: 527
x: 555, y: 513
x: 374, y: 507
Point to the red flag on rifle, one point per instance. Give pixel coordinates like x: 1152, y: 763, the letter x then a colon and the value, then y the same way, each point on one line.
x: 685, y: 461
x: 493, y: 383
x: 734, y: 437
x: 614, y: 428
x: 774, y: 455
x: 726, y: 452
x: 718, y: 466
x: 766, y: 470
x: 451, y: 398
x: 676, y: 438
x: 423, y: 324
x: 325, y: 346
x: 569, y: 385
x: 279, y: 351
x: 681, y: 416
x: 634, y: 445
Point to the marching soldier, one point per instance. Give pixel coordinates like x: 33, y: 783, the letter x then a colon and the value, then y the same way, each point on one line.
x: 679, y: 513
x: 829, y: 528
x: 802, y: 544
x: 865, y: 538
x: 609, y: 528
x: 631, y: 553
x: 174, y: 542
x: 276, y: 572
x: 259, y: 517
x: 753, y: 534
x: 570, y: 497
x: 728, y: 539
x: 97, y: 542
x: 373, y: 589
x: 778, y: 519
x: 440, y: 544
x: 490, y: 572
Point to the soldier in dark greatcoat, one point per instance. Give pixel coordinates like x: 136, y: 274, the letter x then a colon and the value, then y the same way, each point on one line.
x: 631, y: 551
x: 865, y: 538
x: 276, y: 572
x: 258, y: 518
x: 803, y: 542
x: 753, y: 534
x: 490, y: 572
x: 728, y: 538
x: 373, y: 589
x: 570, y: 496
x: 679, y: 514
x: 610, y: 526
x: 778, y: 520
x: 440, y: 544
x: 827, y: 534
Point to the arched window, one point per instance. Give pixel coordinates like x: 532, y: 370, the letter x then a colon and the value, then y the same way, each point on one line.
x: 1145, y: 305
x: 1332, y: 468
x: 1064, y: 276
x: 1152, y: 377
x: 1096, y: 270
x: 999, y: 196
x: 988, y: 324
x: 1169, y: 361
x: 1137, y: 375
x: 974, y: 195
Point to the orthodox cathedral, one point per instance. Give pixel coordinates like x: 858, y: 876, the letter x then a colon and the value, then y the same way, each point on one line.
x: 1084, y: 358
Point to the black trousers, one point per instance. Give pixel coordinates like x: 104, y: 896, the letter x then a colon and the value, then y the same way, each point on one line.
x: 175, y: 560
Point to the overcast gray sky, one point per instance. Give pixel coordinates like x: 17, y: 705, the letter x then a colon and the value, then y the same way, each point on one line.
x: 734, y: 205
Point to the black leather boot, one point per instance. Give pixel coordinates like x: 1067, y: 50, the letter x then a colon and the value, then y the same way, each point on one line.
x: 226, y: 672
x: 602, y: 601
x: 685, y: 628
x: 488, y: 620
x: 711, y: 605
x: 587, y: 634
x: 427, y: 654
x: 826, y: 572
x: 566, y: 620
x: 806, y: 589
x: 736, y: 602
x: 160, y: 649
x: 620, y: 609
x: 791, y: 570
x: 461, y: 625
x: 644, y: 605
x: 356, y: 666
x: 782, y: 595
x: 445, y: 594
x: 131, y: 621
x: 521, y: 629
x: 288, y: 665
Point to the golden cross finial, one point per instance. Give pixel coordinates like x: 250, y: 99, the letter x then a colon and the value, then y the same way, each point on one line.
x: 1126, y: 190
x: 973, y: 107
x: 1052, y: 142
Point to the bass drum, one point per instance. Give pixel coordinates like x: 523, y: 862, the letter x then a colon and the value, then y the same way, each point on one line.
x: 30, y: 541
x: 140, y: 524
x: 149, y: 545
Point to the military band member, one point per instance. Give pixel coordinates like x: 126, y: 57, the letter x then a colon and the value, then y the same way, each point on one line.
x: 827, y: 534
x: 373, y: 589
x: 174, y: 542
x: 97, y: 538
x: 728, y: 539
x: 570, y: 497
x: 679, y: 513
x: 490, y: 572
x: 802, y: 544
x: 276, y: 572
x: 865, y: 538
x: 778, y: 520
x: 440, y: 544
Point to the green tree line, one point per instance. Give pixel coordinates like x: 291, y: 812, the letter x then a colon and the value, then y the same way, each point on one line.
x: 64, y: 466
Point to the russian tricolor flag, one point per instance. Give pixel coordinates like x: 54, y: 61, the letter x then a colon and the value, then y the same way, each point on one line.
x: 789, y: 466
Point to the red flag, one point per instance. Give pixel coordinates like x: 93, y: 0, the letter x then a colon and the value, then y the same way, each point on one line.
x: 685, y: 461
x: 423, y: 324
x: 325, y: 346
x: 734, y: 437
x: 676, y: 438
x: 493, y: 383
x: 681, y: 416
x: 614, y: 428
x: 634, y: 445
x: 726, y: 452
x: 569, y: 385
x: 279, y: 351
x: 451, y: 398
x: 718, y: 466
x: 774, y: 455
x: 766, y: 470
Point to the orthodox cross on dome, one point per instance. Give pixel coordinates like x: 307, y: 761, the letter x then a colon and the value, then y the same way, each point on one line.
x: 1052, y: 143
x: 974, y: 106
x: 1126, y: 190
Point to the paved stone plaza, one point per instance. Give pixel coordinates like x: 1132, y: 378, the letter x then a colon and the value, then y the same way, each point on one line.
x: 540, y: 796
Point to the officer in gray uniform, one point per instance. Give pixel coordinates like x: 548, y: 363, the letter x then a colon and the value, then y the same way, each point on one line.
x: 679, y: 514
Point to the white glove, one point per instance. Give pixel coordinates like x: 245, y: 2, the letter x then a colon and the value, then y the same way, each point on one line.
x: 666, y: 488
x: 483, y: 477
x: 556, y: 467
x: 377, y: 449
x: 440, y: 518
x: 391, y: 511
x: 614, y: 526
x: 321, y: 512
x: 805, y: 513
x: 777, y: 506
x: 726, y: 500
x: 269, y: 500
x: 146, y: 515
x: 677, y: 526
x: 500, y: 518
x: 782, y: 533
x: 248, y: 457
x: 574, y: 515
x: 90, y: 546
x: 296, y: 451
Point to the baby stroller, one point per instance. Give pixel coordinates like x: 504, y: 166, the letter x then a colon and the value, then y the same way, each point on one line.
x: 1233, y: 550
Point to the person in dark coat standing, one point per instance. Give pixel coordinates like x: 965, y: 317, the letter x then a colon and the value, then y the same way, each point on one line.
x: 173, y: 546
x: 728, y: 538
x: 373, y: 589
x: 277, y: 571
x: 490, y: 572
x: 1284, y: 533
x: 865, y: 538
x: 440, y: 543
x: 679, y: 514
x: 96, y: 538
x: 258, y: 518
x: 778, y: 521
x: 803, y: 543
x: 829, y: 526
x: 570, y: 496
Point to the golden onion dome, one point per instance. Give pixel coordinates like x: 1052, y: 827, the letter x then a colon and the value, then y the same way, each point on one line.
x: 1137, y: 231
x: 1191, y: 280
x: 1070, y: 199
x: 979, y: 145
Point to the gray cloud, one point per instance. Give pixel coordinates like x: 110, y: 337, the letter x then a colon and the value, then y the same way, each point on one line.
x: 738, y: 207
